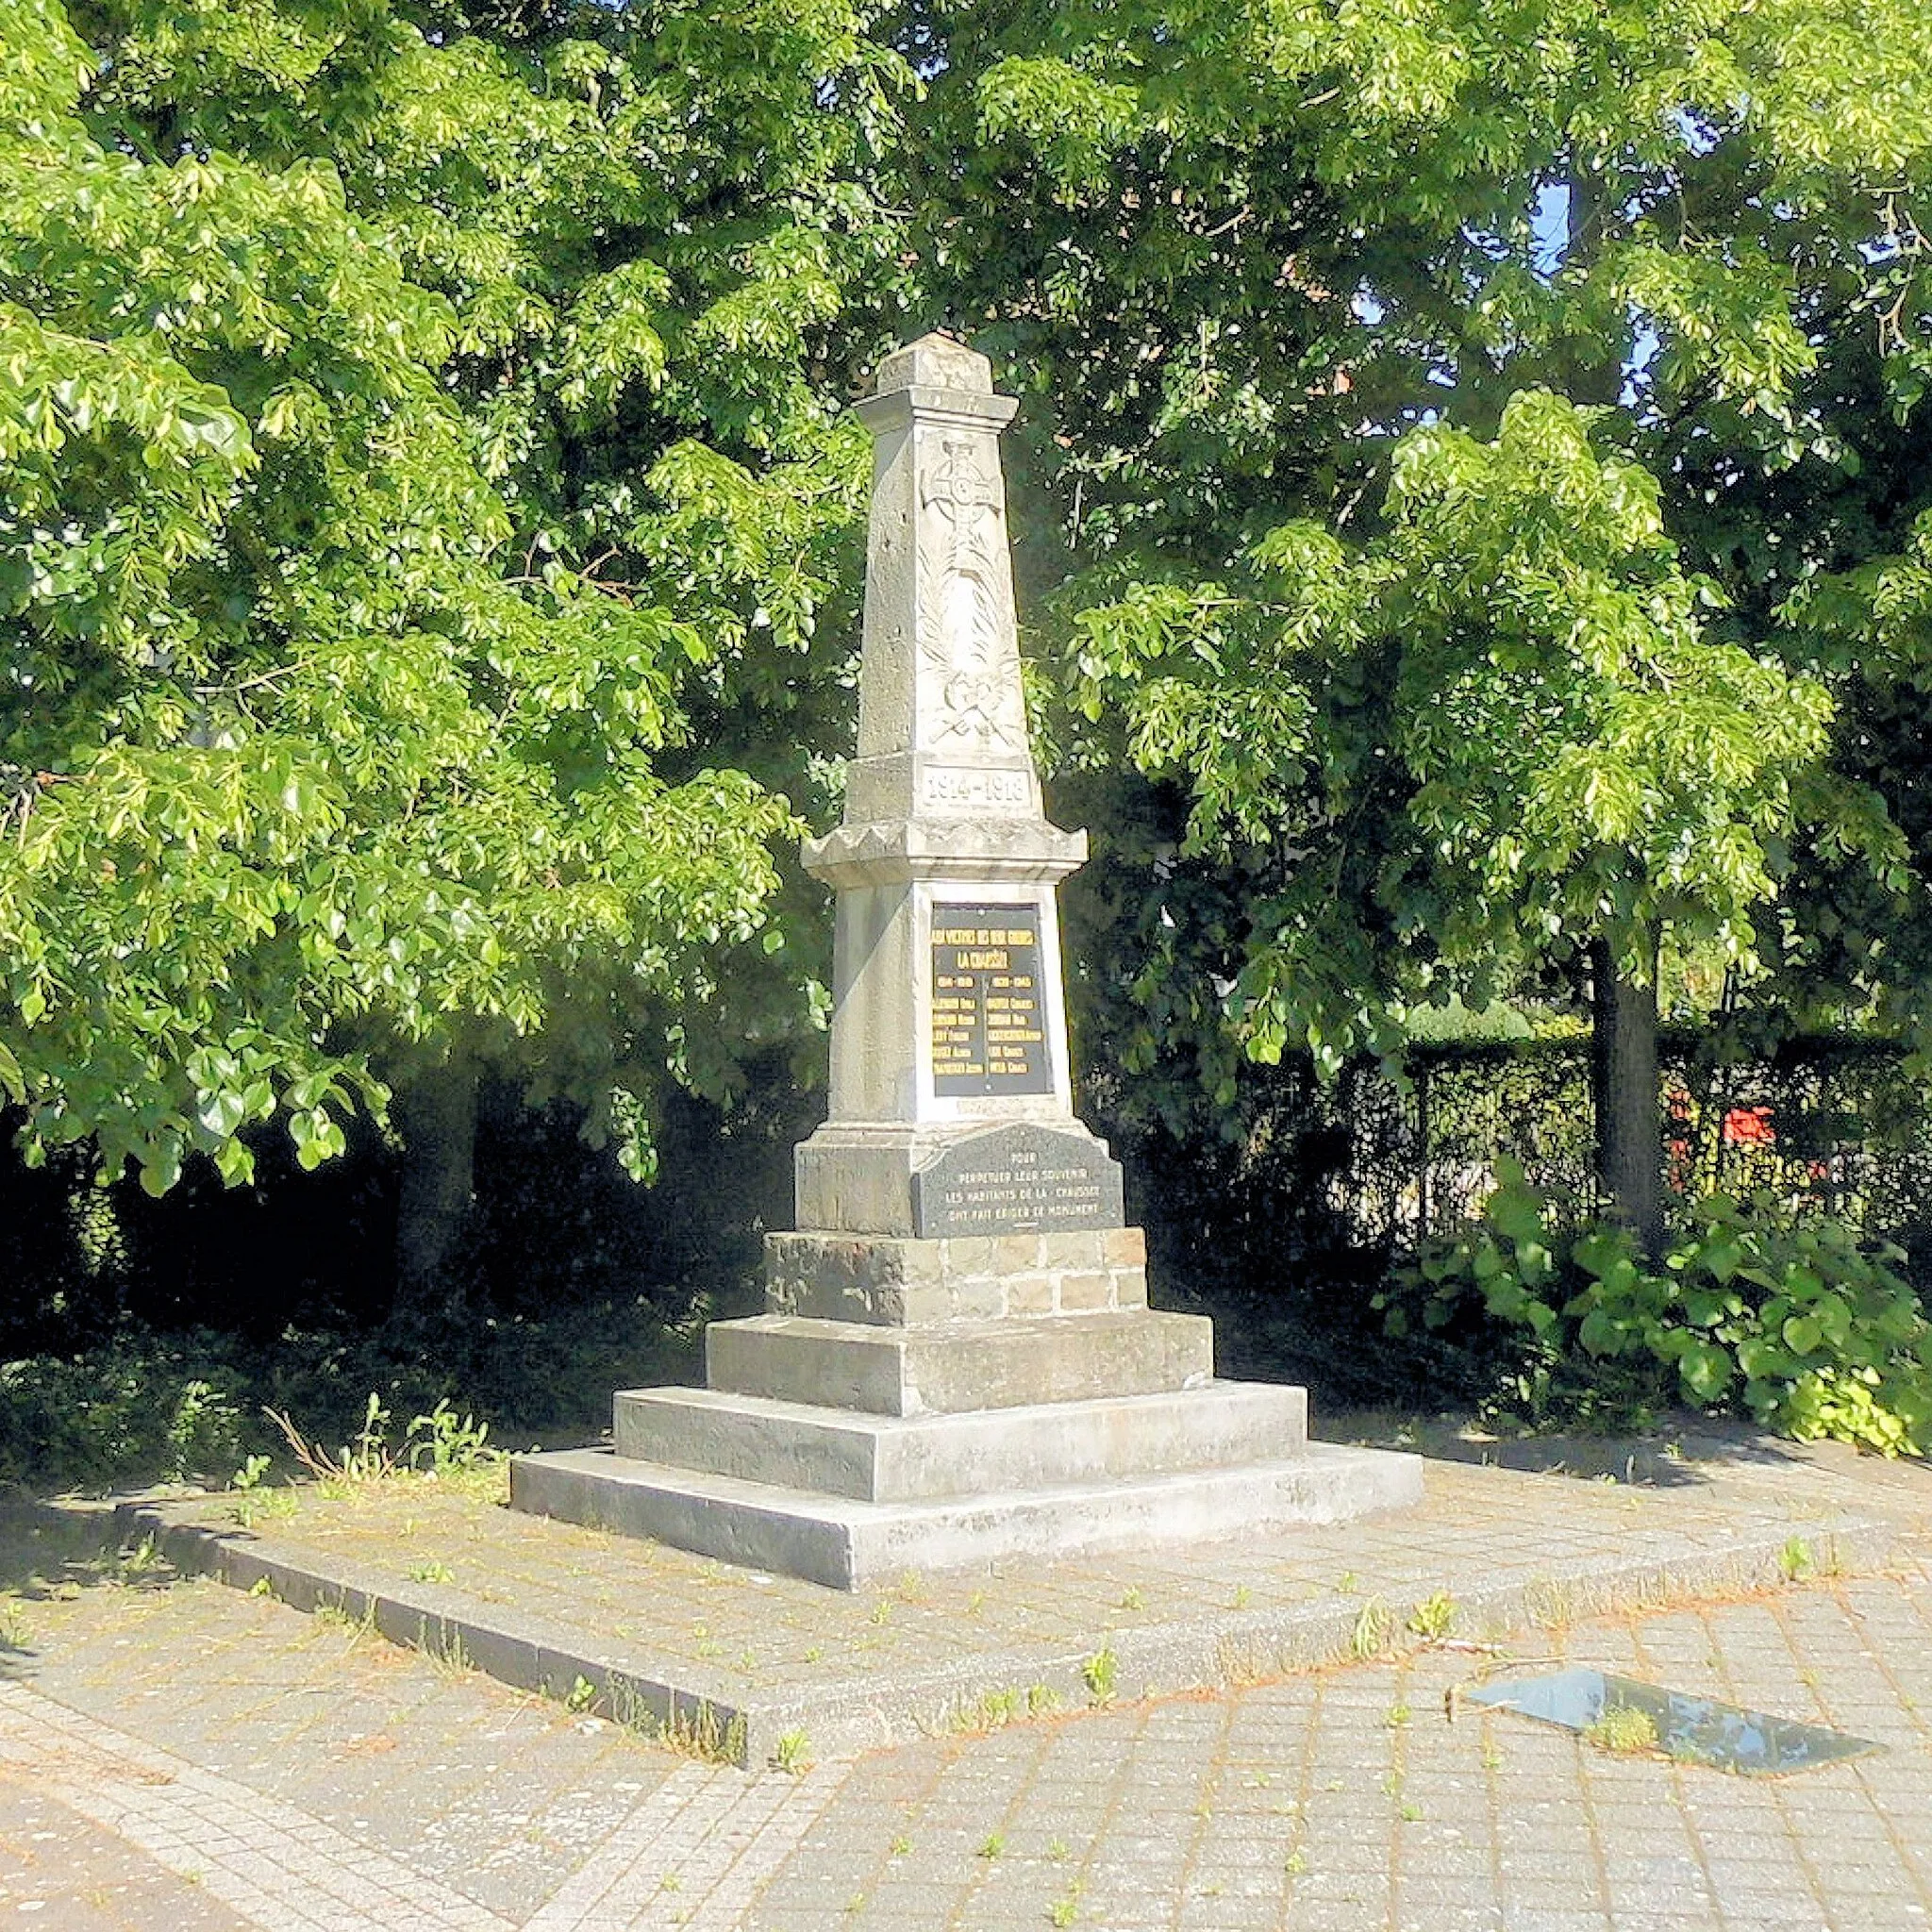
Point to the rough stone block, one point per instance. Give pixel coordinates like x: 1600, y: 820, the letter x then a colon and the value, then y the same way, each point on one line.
x: 1124, y: 1247
x: 978, y: 1297
x: 970, y: 1253
x: 1012, y: 1254
x: 1085, y: 1290
x: 1028, y: 1295
x: 1084, y: 1248
x: 841, y: 1277
x: 897, y: 1281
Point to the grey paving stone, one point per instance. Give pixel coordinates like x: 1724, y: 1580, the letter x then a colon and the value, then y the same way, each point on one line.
x: 407, y: 1788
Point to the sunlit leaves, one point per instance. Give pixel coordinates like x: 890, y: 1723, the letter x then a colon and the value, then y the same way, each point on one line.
x: 1726, y: 313
x: 612, y: 338
x: 334, y: 672
x: 1075, y: 119
x: 1725, y: 172
x: 1799, y: 1324
x: 1565, y: 752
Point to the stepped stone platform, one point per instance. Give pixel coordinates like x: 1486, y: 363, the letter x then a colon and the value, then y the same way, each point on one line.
x: 849, y: 1452
x: 945, y: 1404
x: 934, y: 1404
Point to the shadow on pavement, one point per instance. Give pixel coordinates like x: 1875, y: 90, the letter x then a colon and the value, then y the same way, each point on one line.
x: 51, y: 1551
x: 1688, y: 1452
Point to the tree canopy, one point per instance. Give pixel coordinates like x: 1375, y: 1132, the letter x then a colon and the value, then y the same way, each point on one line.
x: 408, y: 432
x: 1504, y: 724
x: 1473, y: 492
x: 1489, y: 446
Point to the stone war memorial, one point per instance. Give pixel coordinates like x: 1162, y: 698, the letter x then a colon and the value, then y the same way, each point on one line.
x: 956, y: 1365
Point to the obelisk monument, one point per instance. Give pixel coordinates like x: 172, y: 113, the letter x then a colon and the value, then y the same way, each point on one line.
x: 957, y: 1363
x: 950, y: 1096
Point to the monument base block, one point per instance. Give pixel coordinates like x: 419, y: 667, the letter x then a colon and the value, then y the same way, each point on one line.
x: 848, y: 1543
x: 896, y: 1281
x: 915, y: 1403
x: 957, y: 1180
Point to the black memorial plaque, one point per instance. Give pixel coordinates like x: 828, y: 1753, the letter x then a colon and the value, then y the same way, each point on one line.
x: 989, y: 1006
x: 1018, y: 1180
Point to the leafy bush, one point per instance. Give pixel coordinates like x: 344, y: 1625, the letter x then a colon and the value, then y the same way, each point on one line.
x: 1800, y: 1324
x: 117, y: 1414
x: 142, y: 1406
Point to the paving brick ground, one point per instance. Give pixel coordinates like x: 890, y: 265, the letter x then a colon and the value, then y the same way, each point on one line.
x: 177, y: 1753
x: 547, y: 1605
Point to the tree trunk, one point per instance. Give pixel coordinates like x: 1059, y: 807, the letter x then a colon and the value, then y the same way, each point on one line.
x: 437, y: 1117
x: 1625, y: 1097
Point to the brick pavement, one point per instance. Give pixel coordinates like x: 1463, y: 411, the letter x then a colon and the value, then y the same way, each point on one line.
x: 174, y: 1753
x: 545, y: 1604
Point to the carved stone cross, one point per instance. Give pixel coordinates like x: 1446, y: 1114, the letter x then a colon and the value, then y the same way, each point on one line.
x: 957, y: 485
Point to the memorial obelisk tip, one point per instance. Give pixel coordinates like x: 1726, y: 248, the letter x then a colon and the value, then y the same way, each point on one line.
x: 935, y: 362
x: 942, y: 717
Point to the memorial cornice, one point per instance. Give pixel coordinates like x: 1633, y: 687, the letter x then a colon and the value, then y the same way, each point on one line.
x: 981, y: 848
x: 931, y: 403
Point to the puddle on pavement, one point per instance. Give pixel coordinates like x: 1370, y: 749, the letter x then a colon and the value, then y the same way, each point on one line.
x: 1693, y: 1730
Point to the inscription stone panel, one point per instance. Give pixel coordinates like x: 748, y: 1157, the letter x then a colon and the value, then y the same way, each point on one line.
x: 988, y: 1008
x: 1019, y: 1179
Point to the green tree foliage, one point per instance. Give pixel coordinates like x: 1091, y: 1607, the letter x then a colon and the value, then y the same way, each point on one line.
x: 1297, y: 287
x: 427, y: 522
x: 1241, y: 246
x: 1505, y: 727
x: 420, y: 467
x: 1856, y: 944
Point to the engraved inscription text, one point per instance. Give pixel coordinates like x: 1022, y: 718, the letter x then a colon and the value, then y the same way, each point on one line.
x: 1021, y: 1179
x: 988, y: 1008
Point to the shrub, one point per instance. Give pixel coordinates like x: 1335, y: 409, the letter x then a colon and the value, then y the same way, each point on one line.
x: 1800, y: 1324
x: 140, y: 1405
x: 115, y: 1415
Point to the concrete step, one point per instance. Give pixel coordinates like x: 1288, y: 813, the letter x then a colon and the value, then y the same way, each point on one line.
x: 884, y: 1458
x: 847, y: 1544
x: 955, y: 1366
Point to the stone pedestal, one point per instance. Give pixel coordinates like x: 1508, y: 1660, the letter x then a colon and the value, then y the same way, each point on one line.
x: 956, y: 1364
